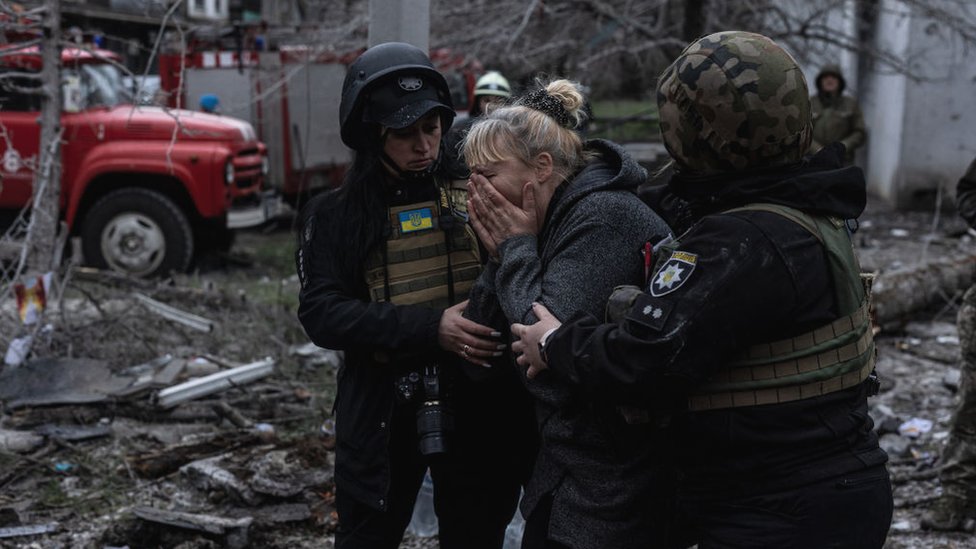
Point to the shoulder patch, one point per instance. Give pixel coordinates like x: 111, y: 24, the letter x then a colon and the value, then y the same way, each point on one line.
x: 650, y: 312
x: 674, y: 273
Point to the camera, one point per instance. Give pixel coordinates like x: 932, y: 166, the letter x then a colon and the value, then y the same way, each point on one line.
x: 435, y: 419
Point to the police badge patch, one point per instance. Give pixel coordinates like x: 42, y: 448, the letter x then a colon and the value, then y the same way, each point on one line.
x: 674, y: 273
x: 410, y: 83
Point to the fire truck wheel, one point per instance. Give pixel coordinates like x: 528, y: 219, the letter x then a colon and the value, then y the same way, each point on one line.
x: 139, y: 232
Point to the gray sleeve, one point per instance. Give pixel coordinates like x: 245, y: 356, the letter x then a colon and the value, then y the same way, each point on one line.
x: 592, y: 258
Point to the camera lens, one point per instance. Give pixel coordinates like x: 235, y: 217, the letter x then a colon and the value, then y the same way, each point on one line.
x: 434, y: 421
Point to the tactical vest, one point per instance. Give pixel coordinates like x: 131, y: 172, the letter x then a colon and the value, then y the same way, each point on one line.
x: 430, y: 257
x: 835, y: 356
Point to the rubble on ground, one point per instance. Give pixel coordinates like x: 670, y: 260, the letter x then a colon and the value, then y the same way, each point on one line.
x: 164, y: 414
x: 91, y: 454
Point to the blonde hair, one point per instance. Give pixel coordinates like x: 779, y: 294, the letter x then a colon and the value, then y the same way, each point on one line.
x: 523, y: 132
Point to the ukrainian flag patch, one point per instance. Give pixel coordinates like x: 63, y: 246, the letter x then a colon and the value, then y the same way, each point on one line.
x: 416, y: 220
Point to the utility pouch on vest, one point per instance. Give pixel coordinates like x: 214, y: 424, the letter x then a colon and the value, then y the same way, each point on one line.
x: 833, y: 357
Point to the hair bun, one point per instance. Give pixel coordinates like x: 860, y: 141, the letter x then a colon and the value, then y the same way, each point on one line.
x: 570, y: 96
x: 549, y: 105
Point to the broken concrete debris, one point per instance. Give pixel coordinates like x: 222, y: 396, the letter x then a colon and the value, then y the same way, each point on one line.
x: 233, y: 530
x: 311, y: 355
x: 207, y: 475
x: 19, y: 441
x: 49, y: 381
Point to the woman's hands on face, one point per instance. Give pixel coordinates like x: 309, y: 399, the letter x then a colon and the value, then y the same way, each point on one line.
x: 494, y: 218
x: 471, y: 341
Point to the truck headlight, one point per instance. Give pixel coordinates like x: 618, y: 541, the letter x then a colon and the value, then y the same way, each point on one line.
x: 265, y: 165
x: 229, y: 172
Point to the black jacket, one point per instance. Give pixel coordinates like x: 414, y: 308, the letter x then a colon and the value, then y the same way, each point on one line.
x: 336, y: 312
x: 758, y: 277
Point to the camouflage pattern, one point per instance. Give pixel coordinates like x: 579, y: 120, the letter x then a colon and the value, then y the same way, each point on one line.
x: 733, y: 101
x: 957, y: 505
x: 836, y: 117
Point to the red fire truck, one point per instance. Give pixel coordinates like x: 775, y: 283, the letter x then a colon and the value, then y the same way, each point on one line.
x: 144, y: 188
x: 292, y: 97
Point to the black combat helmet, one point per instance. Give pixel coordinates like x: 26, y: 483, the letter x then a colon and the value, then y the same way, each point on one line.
x: 393, y: 85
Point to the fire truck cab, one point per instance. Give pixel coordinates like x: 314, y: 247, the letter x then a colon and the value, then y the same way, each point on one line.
x: 145, y: 188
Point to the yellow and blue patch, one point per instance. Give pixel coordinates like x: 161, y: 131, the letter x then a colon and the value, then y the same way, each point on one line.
x: 416, y: 220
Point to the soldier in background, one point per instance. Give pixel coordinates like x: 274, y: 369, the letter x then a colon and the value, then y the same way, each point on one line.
x: 836, y: 117
x: 956, y: 508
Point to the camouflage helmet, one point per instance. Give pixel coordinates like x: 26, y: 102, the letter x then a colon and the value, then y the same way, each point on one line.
x: 733, y: 101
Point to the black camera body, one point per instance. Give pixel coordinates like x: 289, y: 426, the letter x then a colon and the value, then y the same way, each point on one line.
x: 435, y: 418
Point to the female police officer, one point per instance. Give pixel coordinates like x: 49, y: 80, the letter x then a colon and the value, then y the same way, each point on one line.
x: 753, y: 333
x: 385, y: 262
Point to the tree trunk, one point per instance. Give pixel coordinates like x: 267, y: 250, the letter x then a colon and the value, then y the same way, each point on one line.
x: 694, y: 20
x: 897, y: 294
x: 43, y: 230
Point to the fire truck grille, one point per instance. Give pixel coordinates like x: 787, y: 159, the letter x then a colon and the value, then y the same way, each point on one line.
x: 247, y: 168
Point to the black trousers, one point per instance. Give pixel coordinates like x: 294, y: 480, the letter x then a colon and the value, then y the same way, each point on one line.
x: 848, y: 512
x: 476, y: 484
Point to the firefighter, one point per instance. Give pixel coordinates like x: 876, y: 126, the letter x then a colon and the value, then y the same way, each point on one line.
x: 385, y: 262
x: 491, y: 88
x: 752, y: 338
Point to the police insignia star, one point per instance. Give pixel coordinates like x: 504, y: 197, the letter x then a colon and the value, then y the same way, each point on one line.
x: 674, y: 273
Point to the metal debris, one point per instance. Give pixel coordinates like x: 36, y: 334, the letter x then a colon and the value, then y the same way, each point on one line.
x: 214, y: 383
x: 31, y: 530
x: 172, y: 313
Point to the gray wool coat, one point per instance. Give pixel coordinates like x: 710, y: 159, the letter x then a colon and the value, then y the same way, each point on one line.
x: 602, y: 474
